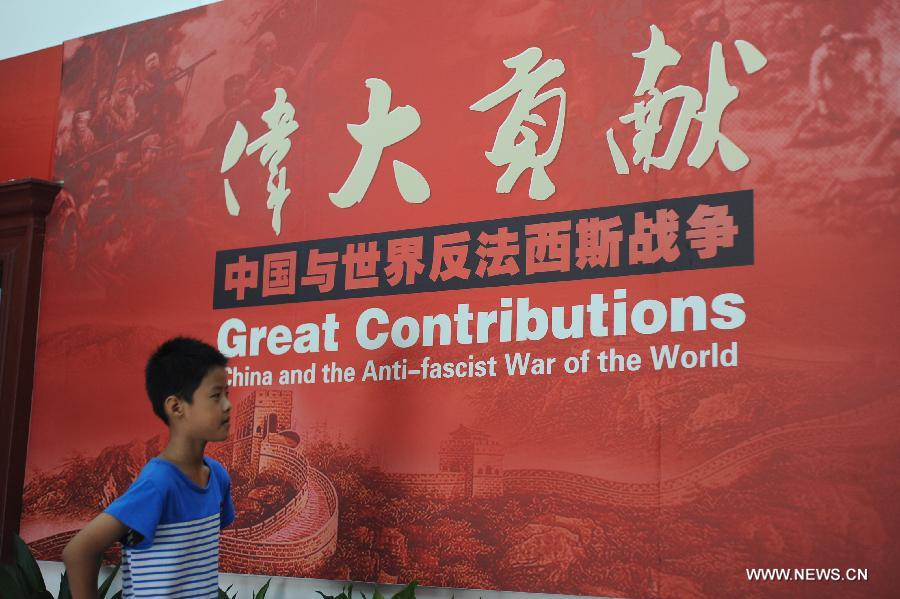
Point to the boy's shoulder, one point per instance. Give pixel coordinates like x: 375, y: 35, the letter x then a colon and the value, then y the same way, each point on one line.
x: 220, y: 471
x: 156, y: 472
x: 214, y: 463
x: 166, y: 476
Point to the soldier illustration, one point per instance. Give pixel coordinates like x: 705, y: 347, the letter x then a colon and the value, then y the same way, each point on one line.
x: 156, y: 98
x: 116, y: 112
x: 840, y: 83
x: 265, y: 72
x: 705, y: 26
x: 217, y: 132
x: 78, y: 139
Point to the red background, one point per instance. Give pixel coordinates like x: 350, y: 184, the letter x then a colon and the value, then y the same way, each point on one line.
x: 29, y: 98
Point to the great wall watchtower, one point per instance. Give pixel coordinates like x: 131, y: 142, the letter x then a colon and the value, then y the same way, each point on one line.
x: 476, y: 455
x: 264, y: 412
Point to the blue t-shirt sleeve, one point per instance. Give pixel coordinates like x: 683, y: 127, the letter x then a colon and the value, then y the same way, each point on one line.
x: 140, y: 509
x: 226, y: 509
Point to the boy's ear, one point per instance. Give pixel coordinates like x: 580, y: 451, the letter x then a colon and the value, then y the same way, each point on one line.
x: 173, y: 406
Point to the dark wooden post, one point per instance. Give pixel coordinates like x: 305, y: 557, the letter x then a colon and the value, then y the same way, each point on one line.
x: 24, y: 205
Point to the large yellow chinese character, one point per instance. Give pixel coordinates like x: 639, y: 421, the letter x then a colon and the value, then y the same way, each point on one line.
x: 525, y: 84
x: 646, y: 115
x: 273, y: 147
x: 382, y: 129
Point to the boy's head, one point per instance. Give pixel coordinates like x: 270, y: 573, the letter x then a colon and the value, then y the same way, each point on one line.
x: 177, y: 369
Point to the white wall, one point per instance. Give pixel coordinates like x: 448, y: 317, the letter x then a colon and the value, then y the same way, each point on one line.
x: 29, y: 25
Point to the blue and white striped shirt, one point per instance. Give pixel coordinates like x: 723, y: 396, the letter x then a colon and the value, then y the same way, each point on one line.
x: 172, y: 549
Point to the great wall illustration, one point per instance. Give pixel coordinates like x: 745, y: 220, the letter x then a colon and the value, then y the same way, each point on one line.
x: 471, y: 464
x: 303, y: 533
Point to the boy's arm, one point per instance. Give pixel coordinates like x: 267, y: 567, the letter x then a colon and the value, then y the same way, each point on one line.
x: 83, y: 553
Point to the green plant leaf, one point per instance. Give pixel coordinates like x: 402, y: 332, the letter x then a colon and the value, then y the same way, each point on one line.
x: 64, y: 592
x: 324, y: 596
x: 262, y: 592
x: 377, y: 594
x: 34, y: 581
x: 343, y: 594
x: 224, y: 594
x: 407, y: 592
x: 104, y: 588
x: 118, y: 595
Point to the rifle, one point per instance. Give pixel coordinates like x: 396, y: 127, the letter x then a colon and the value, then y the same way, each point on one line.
x: 183, y: 72
x: 116, y: 143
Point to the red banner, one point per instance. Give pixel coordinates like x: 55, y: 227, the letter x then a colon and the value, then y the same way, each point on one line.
x: 556, y: 297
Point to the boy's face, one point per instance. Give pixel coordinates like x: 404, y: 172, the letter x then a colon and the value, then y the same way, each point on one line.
x: 207, y: 417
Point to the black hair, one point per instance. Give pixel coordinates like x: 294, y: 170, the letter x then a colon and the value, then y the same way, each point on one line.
x: 177, y: 367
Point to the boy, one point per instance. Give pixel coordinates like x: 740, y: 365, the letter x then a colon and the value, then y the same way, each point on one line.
x: 169, y: 519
